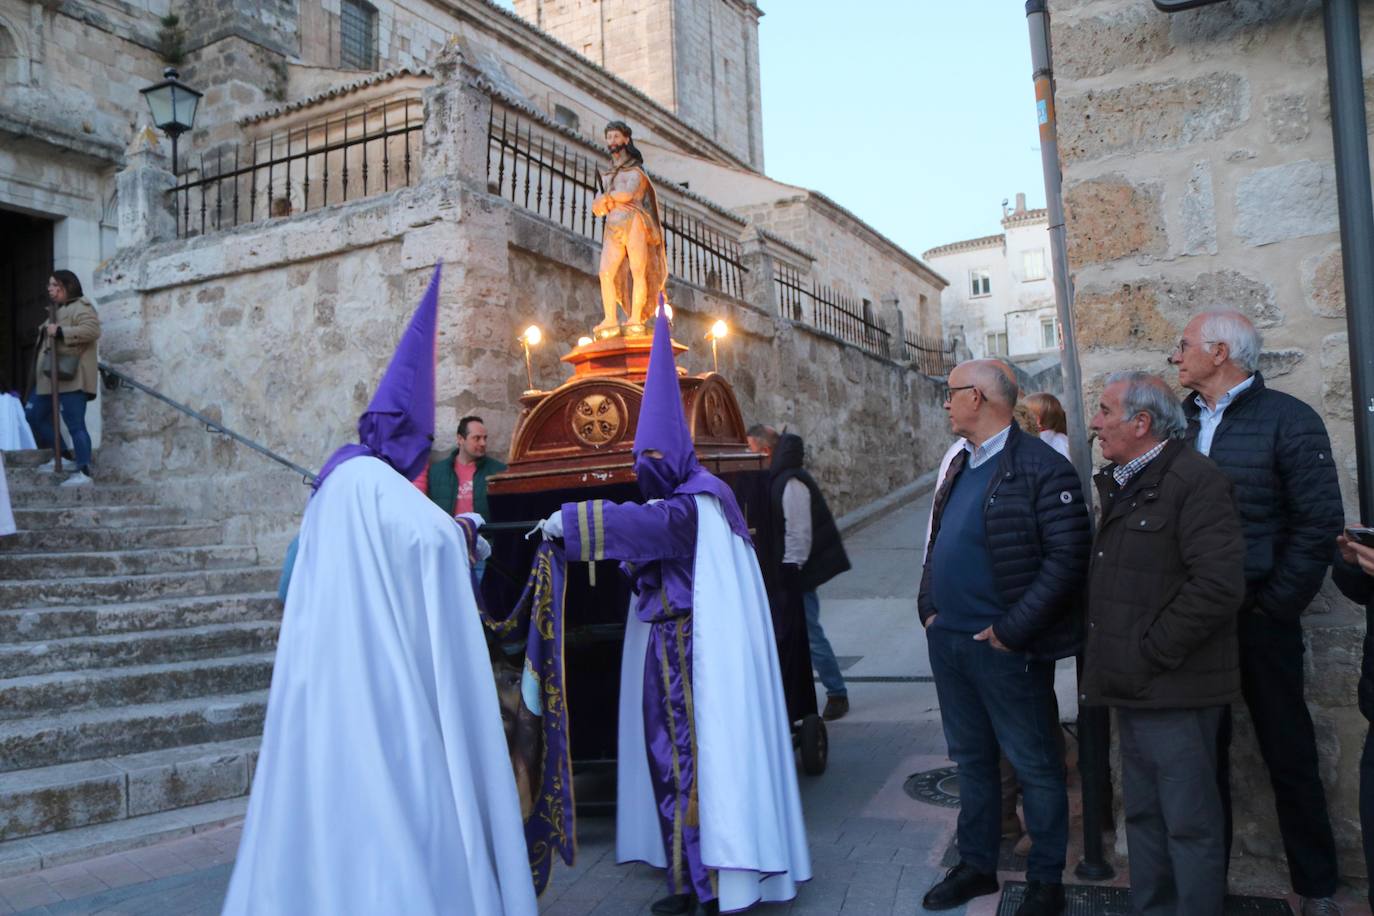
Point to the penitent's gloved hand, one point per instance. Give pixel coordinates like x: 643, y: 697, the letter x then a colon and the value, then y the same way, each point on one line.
x: 473, y: 517
x: 553, y: 526
x: 483, y: 548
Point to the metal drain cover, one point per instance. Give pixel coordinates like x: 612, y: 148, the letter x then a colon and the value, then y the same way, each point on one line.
x: 935, y: 787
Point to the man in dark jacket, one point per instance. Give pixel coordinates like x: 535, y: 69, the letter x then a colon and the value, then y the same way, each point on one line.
x: 1276, y: 451
x: 808, y: 553
x: 1007, y: 557
x: 1353, y: 573
x: 1167, y: 580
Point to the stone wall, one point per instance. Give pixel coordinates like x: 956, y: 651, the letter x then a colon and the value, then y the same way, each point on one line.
x: 1198, y: 174
x: 280, y: 331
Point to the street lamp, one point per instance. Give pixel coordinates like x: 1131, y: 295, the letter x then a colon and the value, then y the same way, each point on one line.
x: 530, y: 338
x: 173, y: 106
x: 717, y: 332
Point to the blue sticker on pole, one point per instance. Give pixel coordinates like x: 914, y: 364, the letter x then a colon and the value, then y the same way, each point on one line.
x: 1042, y: 111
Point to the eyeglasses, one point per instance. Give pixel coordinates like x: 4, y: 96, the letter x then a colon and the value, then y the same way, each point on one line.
x: 950, y: 392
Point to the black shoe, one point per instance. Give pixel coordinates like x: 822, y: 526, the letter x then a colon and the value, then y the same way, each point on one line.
x: 960, y: 885
x: 1042, y: 900
x: 836, y: 707
x: 675, y: 905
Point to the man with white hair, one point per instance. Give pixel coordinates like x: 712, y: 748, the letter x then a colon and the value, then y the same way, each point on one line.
x: 1167, y: 578
x: 1005, y: 562
x: 1276, y: 451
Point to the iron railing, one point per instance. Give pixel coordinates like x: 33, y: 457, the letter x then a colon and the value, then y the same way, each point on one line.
x: 115, y: 379
x: 931, y: 355
x: 368, y: 150
x: 538, y: 170
x: 820, y: 306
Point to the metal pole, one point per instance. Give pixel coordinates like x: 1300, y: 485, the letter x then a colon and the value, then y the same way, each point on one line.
x: 54, y: 403
x: 1345, y: 81
x: 1094, y: 726
x: 1038, y: 19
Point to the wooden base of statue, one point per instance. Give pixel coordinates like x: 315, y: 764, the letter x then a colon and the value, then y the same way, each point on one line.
x: 582, y: 433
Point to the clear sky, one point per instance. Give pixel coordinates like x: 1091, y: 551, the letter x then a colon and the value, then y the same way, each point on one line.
x: 916, y: 115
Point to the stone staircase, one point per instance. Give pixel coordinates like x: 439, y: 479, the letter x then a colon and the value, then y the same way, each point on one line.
x: 136, y: 650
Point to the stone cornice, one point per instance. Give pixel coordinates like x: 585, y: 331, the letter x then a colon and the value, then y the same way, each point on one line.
x: 333, y: 92
x: 587, y: 75
x: 1025, y: 218
x: 987, y: 241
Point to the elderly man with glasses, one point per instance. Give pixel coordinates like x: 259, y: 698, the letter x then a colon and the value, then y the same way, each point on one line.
x: 1005, y: 562
x: 1276, y: 451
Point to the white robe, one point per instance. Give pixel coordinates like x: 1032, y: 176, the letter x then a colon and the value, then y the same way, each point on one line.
x: 751, y: 818
x: 384, y: 784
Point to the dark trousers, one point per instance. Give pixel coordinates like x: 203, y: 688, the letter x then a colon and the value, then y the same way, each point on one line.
x: 1367, y: 805
x: 1272, y: 680
x: 991, y: 699
x: 1174, y: 830
x: 73, y: 408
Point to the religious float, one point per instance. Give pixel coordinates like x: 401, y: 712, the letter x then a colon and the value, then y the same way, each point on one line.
x: 575, y: 443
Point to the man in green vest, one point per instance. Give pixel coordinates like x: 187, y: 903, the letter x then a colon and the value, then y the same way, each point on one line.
x: 458, y: 483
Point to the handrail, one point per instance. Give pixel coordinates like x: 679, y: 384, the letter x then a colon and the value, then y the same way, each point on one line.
x: 122, y: 379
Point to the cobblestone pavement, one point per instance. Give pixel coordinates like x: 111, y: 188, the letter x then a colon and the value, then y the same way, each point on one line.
x: 875, y: 851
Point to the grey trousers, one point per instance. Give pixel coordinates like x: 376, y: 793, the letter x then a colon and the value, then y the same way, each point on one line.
x: 1175, y: 831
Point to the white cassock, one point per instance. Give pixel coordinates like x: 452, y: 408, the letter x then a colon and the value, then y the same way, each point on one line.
x: 751, y: 818
x: 384, y: 785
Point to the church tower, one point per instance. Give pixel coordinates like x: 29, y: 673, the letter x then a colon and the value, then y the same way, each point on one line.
x: 697, y: 58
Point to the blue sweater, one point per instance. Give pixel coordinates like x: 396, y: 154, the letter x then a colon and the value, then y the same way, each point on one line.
x: 965, y: 588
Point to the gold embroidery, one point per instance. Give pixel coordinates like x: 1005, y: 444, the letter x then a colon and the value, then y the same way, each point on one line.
x: 582, y: 531
x: 693, y: 818
x: 599, y: 529
x: 677, y: 766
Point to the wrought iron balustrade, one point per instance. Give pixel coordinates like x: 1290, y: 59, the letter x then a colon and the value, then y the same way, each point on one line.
x: 534, y: 168
x: 932, y: 355
x: 828, y: 311
x: 358, y: 153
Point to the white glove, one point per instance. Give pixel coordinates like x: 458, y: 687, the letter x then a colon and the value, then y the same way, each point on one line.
x: 652, y: 501
x: 473, y: 517
x: 483, y: 548
x: 550, y: 528
x: 553, y: 525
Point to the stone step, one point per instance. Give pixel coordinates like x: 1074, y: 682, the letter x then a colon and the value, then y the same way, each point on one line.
x: 96, y: 618
x: 67, y: 540
x: 69, y: 691
x: 43, y: 565
x: 99, y: 494
x: 71, y: 795
x: 29, y: 458
x: 120, y: 589
x: 82, y: 653
x: 31, y: 854
x: 75, y: 517
x: 92, y: 733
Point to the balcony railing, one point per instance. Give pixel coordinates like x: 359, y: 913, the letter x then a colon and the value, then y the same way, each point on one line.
x: 931, y: 355
x: 536, y: 168
x: 358, y: 153
x: 828, y: 311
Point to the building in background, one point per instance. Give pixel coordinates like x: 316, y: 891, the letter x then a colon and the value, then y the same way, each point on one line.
x: 1000, y: 297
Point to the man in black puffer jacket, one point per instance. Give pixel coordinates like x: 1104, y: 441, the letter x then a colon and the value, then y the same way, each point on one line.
x: 1006, y: 562
x: 1276, y: 451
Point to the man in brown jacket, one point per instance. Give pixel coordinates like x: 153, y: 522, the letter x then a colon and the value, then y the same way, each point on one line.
x: 1166, y: 583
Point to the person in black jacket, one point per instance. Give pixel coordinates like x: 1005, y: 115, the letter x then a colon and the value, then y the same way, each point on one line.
x: 1007, y: 559
x: 808, y: 553
x: 1353, y: 573
x: 1276, y: 451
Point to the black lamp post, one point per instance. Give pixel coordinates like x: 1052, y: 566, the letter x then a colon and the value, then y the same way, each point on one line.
x: 173, y: 105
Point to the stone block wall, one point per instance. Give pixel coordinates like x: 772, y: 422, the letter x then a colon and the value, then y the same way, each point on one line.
x: 1197, y: 158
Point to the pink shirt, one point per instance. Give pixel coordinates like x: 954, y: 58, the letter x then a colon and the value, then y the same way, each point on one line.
x: 466, y: 473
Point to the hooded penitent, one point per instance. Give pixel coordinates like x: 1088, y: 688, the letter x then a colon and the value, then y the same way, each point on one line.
x: 663, y: 427
x: 383, y: 783
x: 706, y: 783
x: 398, y: 426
